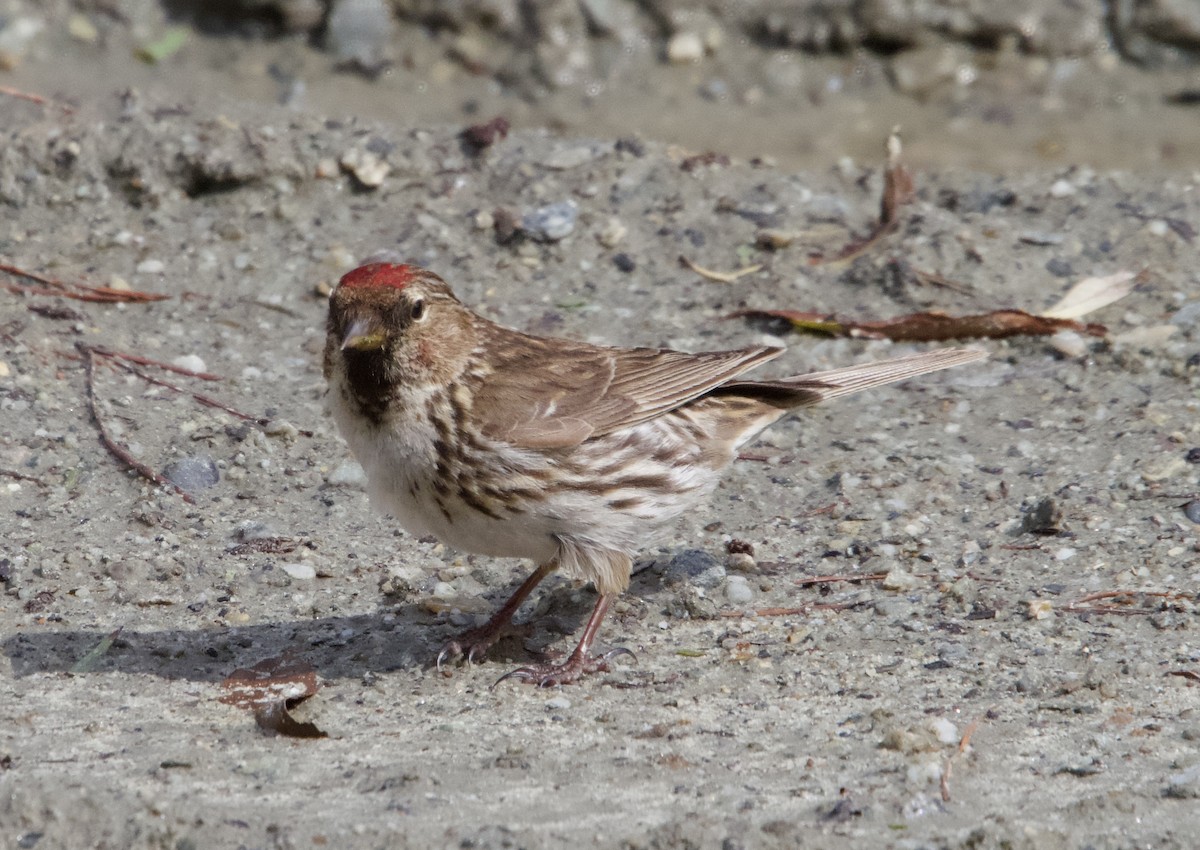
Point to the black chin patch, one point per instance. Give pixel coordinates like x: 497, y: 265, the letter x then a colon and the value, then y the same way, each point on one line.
x: 366, y: 373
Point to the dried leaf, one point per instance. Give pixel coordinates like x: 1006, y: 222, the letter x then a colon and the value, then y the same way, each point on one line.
x: 93, y: 656
x: 929, y: 327
x: 1091, y: 294
x: 271, y: 689
x: 164, y: 47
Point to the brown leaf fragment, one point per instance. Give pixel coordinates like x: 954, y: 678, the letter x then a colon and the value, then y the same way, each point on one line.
x: 270, y: 680
x: 271, y: 689
x: 1187, y: 674
x: 933, y: 326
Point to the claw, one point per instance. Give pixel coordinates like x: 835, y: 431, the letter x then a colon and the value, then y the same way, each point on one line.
x: 571, y: 670
x: 450, y: 652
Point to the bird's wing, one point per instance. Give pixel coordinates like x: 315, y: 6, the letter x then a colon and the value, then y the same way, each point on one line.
x: 550, y: 394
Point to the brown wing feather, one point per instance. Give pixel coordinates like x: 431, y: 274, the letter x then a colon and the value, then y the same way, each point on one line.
x: 804, y: 390
x: 544, y: 393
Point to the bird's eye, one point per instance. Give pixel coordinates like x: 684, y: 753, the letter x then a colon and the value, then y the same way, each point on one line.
x: 417, y: 311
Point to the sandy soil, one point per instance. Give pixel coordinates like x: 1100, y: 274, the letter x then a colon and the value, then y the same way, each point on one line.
x: 839, y: 723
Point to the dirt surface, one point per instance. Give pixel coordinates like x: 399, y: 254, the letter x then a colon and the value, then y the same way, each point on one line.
x: 991, y: 691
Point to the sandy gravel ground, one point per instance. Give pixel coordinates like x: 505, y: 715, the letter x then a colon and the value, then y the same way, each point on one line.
x: 994, y: 690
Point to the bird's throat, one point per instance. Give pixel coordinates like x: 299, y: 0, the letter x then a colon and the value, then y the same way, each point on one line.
x: 367, y: 379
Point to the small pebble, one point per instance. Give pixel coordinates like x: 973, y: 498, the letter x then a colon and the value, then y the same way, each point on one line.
x: 192, y: 474
x: 1158, y: 227
x: 1184, y: 785
x: 558, y: 704
x: 367, y: 168
x: 348, y: 473
x: 552, y: 222
x: 942, y: 729
x: 694, y: 567
x: 1039, y: 609
x: 82, y: 29
x: 1069, y: 344
x: 567, y: 158
x: 151, y: 267
x: 281, y: 428
x: 1192, y: 511
x: 300, y: 572
x: 1062, y: 189
x: 357, y: 31
x: 612, y: 233
x: 738, y: 590
x: 900, y: 580
x: 624, y: 262
x: 190, y: 362
x: 741, y: 561
x: 684, y: 47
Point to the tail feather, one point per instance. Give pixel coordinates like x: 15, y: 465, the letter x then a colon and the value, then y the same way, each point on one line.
x: 804, y: 390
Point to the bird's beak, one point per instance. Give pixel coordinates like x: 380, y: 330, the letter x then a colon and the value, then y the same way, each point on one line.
x: 362, y: 335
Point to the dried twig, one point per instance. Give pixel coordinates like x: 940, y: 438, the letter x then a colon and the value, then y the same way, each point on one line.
x: 1082, y: 606
x: 34, y: 98
x: 898, y: 190
x: 719, y: 277
x: 963, y: 743
x: 76, y: 291
x: 21, y: 476
x: 114, y: 448
x: 830, y: 579
x: 208, y: 401
x: 795, y: 612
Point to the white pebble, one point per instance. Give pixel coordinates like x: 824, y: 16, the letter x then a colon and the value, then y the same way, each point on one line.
x: 1158, y: 227
x: 1065, y: 553
x: 301, y: 572
x: 191, y: 362
x: 685, y: 47
x: 348, y: 473
x: 738, y: 590
x: 900, y: 580
x: 444, y: 590
x: 151, y: 267
x: 558, y: 704
x: 942, y: 729
x: 1069, y: 344
x: 1062, y: 189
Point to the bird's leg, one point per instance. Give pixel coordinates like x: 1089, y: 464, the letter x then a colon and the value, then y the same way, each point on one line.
x: 473, y: 643
x: 580, y: 662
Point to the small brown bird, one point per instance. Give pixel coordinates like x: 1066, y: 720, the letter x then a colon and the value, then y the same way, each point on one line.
x: 518, y: 446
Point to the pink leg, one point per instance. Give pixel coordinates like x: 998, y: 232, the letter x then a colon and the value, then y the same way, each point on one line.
x: 474, y: 643
x: 580, y: 662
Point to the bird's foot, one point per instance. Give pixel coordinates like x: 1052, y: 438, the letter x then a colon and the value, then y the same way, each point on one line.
x: 578, y: 665
x: 473, y: 644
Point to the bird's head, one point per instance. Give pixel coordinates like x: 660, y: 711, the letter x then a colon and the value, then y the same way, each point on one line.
x: 391, y: 325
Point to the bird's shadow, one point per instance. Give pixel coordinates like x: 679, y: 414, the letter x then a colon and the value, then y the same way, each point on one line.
x: 399, y: 637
